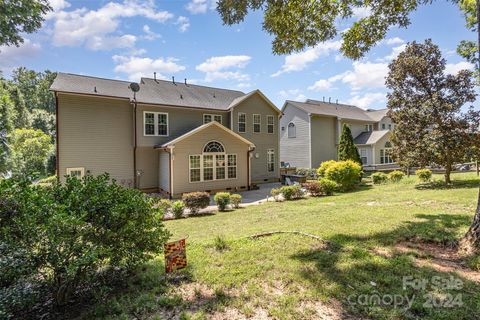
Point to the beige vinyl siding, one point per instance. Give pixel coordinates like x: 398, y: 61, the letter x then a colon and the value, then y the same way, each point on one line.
x: 97, y: 134
x: 193, y: 145
x: 164, y: 171
x: 380, y: 145
x: 147, y: 165
x: 323, y: 131
x: 180, y: 121
x: 263, y: 140
x: 295, y: 151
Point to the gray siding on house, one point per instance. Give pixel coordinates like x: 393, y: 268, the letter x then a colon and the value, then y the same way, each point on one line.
x: 164, y: 171
x: 295, y: 151
x: 323, y: 132
x: 368, y: 152
x: 263, y: 140
x: 96, y: 133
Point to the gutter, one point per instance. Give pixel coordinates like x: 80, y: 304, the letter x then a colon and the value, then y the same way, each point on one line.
x: 249, y: 179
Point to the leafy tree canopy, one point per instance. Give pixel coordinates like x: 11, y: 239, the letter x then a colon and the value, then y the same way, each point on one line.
x: 20, y: 16
x: 425, y: 105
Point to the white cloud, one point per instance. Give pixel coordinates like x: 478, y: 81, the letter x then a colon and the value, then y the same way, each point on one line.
x: 394, y: 41
x: 59, y: 4
x: 137, y: 67
x: 221, y: 68
x: 183, y: 23
x: 299, y: 61
x: 98, y: 29
x: 395, y: 52
x: 454, y: 68
x: 200, y: 6
x: 292, y: 94
x: 362, y: 12
x: 149, y: 34
x: 366, y: 75
x: 12, y: 56
x: 320, y: 85
x: 368, y: 99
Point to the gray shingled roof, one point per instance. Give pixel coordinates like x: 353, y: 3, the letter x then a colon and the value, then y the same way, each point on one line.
x: 151, y: 91
x: 377, y: 115
x: 336, y: 110
x: 370, y: 137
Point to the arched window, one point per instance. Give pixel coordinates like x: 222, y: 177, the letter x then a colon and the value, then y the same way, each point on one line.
x: 386, y: 154
x: 292, y: 132
x: 213, y: 147
x: 388, y: 144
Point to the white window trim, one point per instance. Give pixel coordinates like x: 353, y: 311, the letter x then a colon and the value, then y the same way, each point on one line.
x: 270, y: 151
x: 385, y: 156
x: 190, y: 167
x: 244, y: 122
x: 213, y: 117
x: 295, y: 133
x: 259, y: 123
x: 155, y: 124
x: 214, y: 154
x: 273, y: 124
x: 81, y: 169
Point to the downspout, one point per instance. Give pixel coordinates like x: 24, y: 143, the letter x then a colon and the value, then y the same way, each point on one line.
x: 135, y: 142
x: 249, y: 180
x: 57, y: 160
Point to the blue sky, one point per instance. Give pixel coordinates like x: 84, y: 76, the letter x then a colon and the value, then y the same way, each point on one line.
x: 186, y: 39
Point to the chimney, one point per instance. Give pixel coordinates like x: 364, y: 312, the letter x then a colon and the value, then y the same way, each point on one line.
x: 155, y: 76
x: 173, y: 80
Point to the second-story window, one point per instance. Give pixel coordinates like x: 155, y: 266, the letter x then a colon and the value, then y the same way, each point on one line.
x: 257, y: 122
x: 242, y: 122
x: 368, y: 127
x: 292, y: 132
x: 212, y: 117
x: 155, y: 123
x: 270, y: 124
x: 383, y: 126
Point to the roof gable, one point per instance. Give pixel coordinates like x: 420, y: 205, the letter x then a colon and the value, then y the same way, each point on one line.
x: 239, y: 100
x: 370, y: 137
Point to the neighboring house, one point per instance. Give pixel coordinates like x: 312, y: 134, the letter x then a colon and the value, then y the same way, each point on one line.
x: 310, y: 132
x: 172, y: 137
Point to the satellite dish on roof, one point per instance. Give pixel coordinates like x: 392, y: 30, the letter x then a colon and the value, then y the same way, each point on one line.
x: 135, y: 87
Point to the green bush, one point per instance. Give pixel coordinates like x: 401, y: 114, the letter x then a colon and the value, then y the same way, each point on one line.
x: 327, y: 186
x: 424, y: 175
x: 48, y: 180
x: 164, y: 204
x: 291, y: 192
x: 313, y: 187
x: 235, y: 200
x: 396, y: 176
x: 379, y: 177
x: 60, y: 236
x: 324, y: 166
x: 275, y: 193
x: 222, y: 199
x: 177, y: 209
x: 195, y: 201
x: 347, y: 174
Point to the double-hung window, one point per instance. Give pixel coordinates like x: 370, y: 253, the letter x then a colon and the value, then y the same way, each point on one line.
x: 242, y: 122
x: 155, y: 123
x: 363, y: 155
x: 195, y: 168
x: 385, y: 154
x: 212, y: 117
x: 76, y: 172
x: 270, y: 160
x: 257, y: 123
x: 270, y: 124
x: 232, y: 166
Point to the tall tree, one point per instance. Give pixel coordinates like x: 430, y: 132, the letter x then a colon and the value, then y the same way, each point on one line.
x: 346, y: 147
x: 43, y: 120
x: 20, y: 16
x: 425, y: 105
x: 34, y: 87
x: 6, y: 125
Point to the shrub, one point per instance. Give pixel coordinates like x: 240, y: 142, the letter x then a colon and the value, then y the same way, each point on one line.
x: 327, y: 186
x: 165, y: 205
x: 61, y: 235
x: 220, y: 243
x: 379, y: 177
x: 177, y: 209
x: 235, y: 200
x: 396, y: 176
x: 313, y: 187
x: 424, y: 175
x: 310, y: 173
x: 324, y: 166
x: 275, y: 193
x: 347, y: 174
x: 195, y: 201
x: 48, y: 180
x: 291, y: 192
x: 222, y: 199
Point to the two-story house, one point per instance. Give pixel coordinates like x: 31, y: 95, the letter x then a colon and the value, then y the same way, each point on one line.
x: 169, y: 136
x: 310, y: 132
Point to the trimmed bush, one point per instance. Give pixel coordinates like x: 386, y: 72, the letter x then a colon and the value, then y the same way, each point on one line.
x: 235, y: 200
x: 313, y: 187
x: 396, y: 176
x: 222, y: 199
x: 177, y: 209
x: 327, y: 186
x: 324, y: 166
x: 275, y: 193
x: 347, y: 174
x: 195, y: 201
x: 291, y: 192
x: 164, y: 205
x: 379, y: 177
x: 424, y: 175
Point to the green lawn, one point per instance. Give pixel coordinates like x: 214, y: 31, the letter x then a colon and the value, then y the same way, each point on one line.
x: 294, y: 277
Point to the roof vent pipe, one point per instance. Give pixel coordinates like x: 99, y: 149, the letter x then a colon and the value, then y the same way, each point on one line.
x: 185, y: 81
x: 155, y: 76
x: 323, y: 98
x: 173, y: 80
x: 337, y: 101
x: 329, y: 99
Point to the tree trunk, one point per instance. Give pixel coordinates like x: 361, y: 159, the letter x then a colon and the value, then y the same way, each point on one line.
x: 448, y: 170
x: 471, y: 240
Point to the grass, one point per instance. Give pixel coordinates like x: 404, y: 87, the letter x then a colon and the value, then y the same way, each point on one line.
x: 294, y: 277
